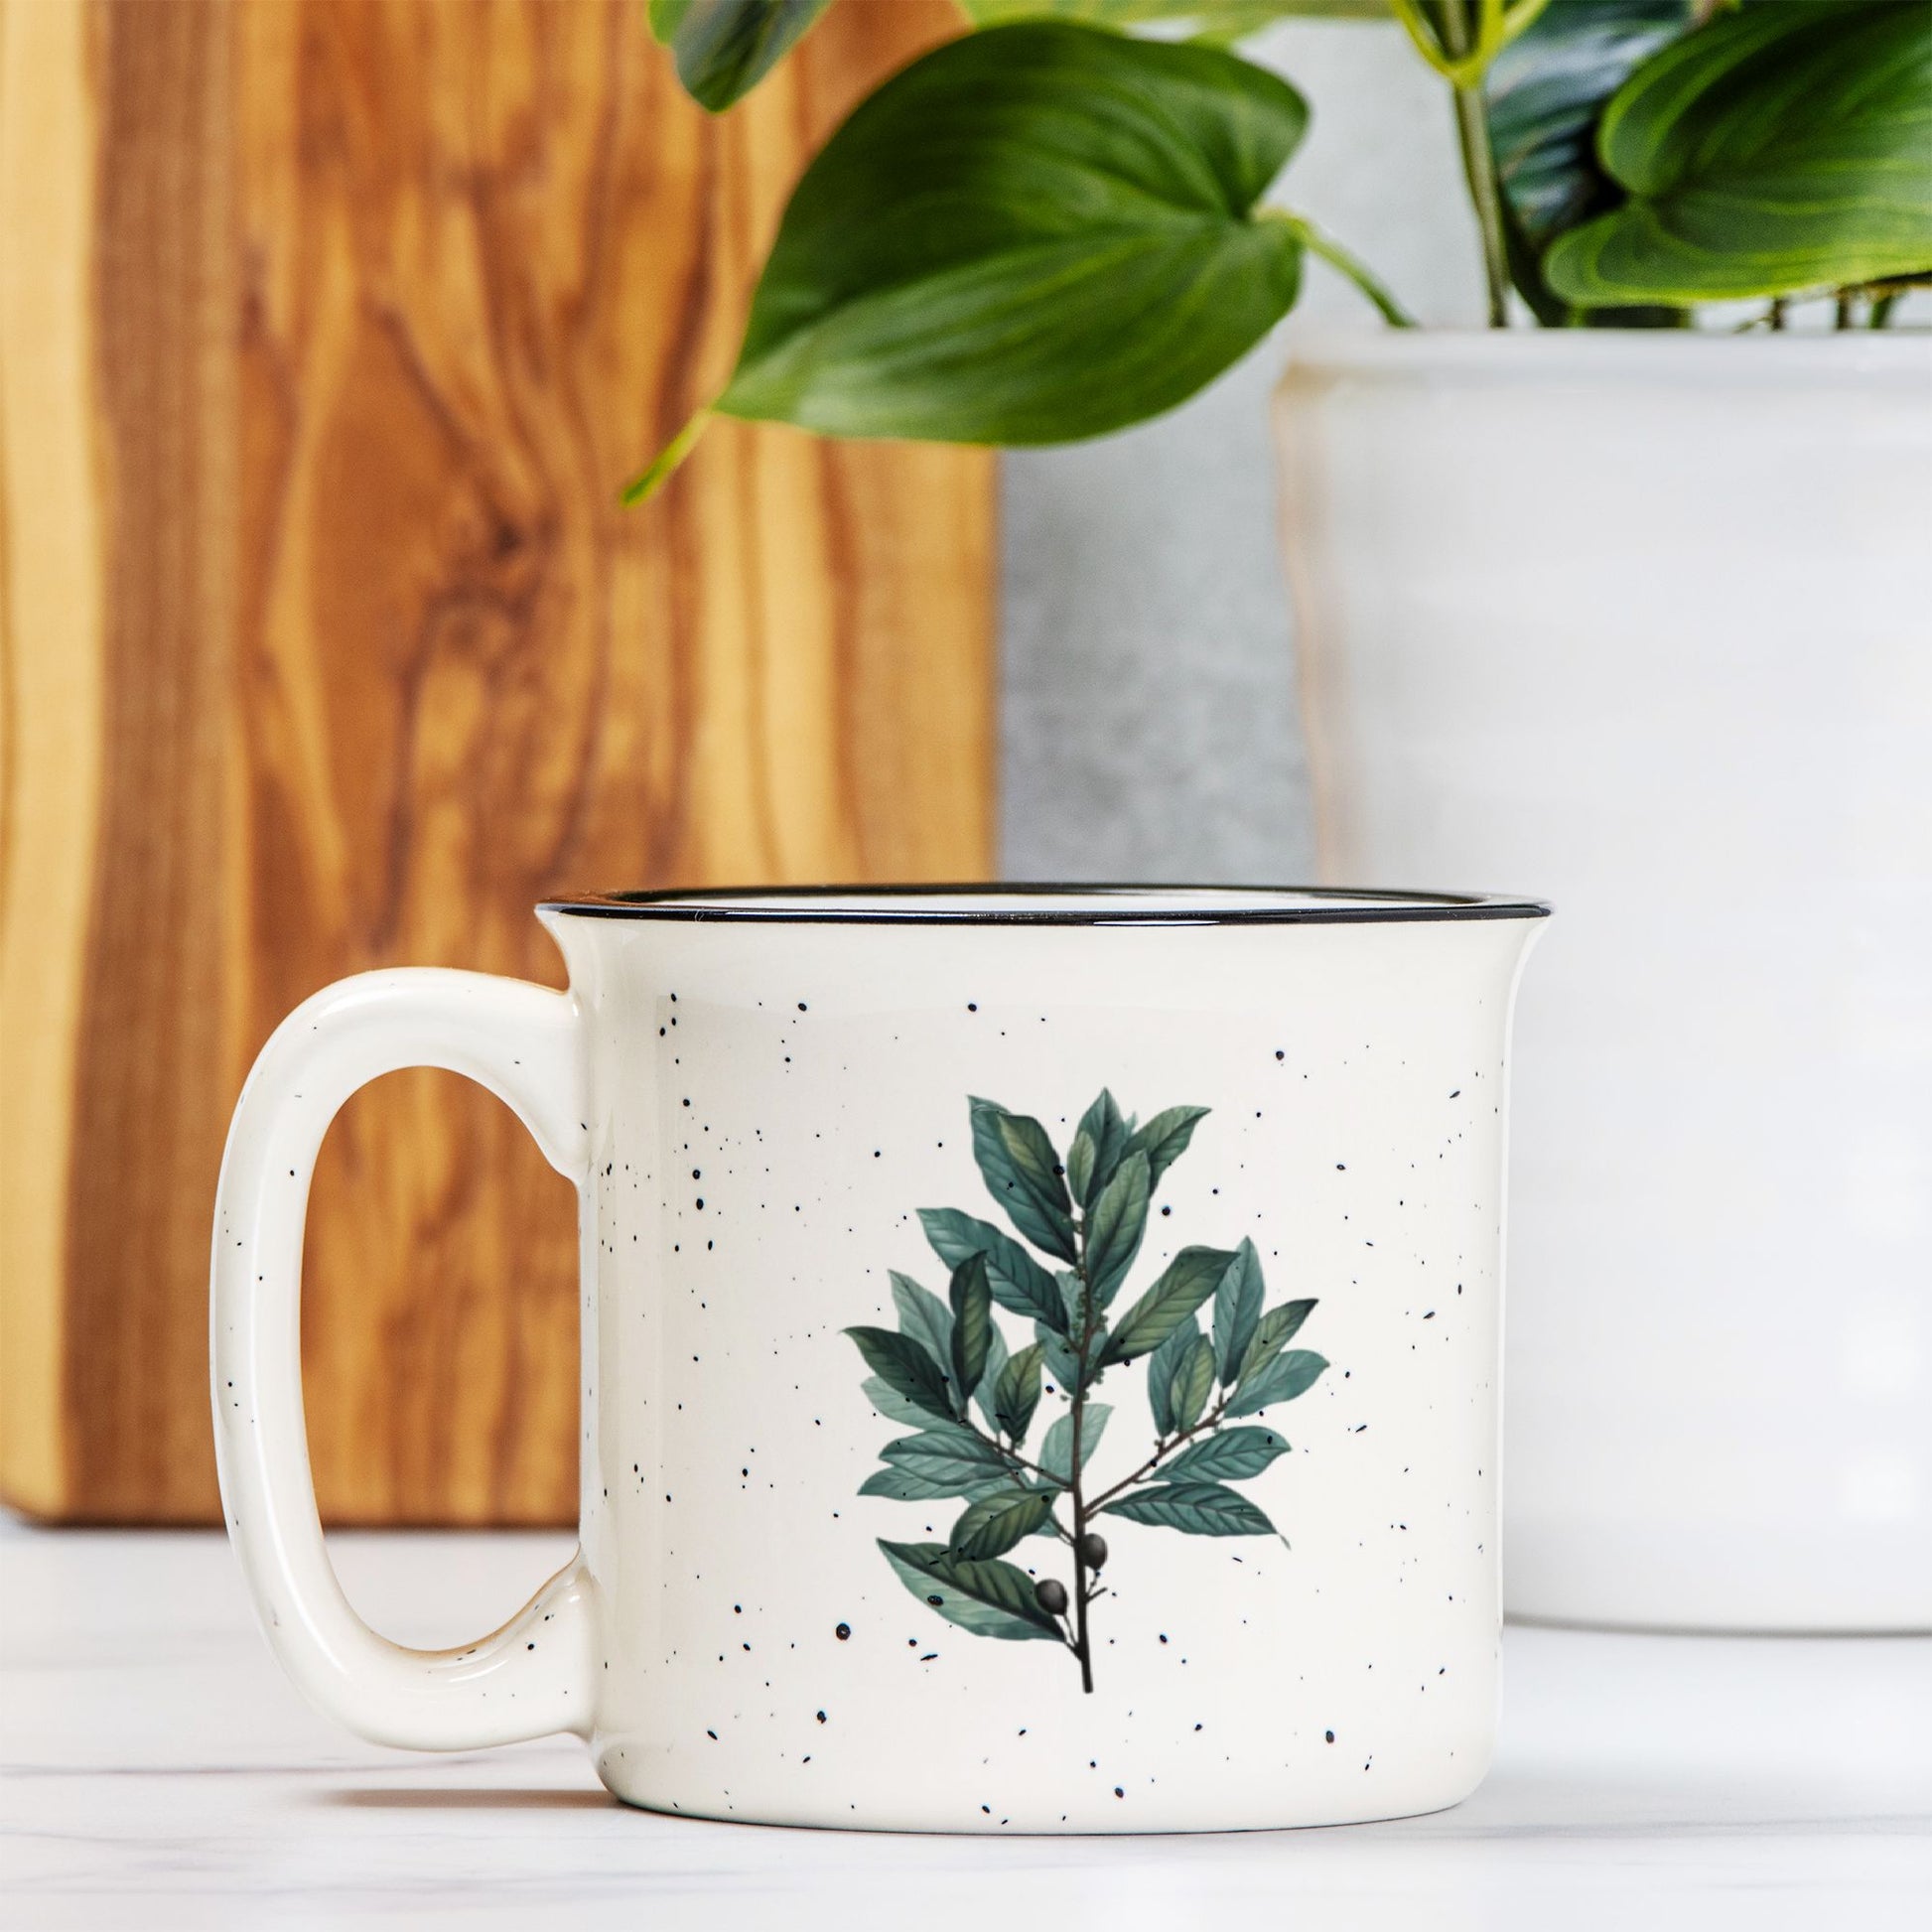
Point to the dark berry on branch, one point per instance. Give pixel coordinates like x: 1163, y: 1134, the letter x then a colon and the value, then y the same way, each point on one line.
x: 1093, y: 1549
x: 1050, y: 1594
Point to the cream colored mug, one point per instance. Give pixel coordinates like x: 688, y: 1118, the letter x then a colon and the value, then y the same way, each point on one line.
x: 1039, y: 1352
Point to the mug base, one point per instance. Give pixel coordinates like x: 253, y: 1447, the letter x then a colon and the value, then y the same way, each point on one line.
x: 1083, y: 1818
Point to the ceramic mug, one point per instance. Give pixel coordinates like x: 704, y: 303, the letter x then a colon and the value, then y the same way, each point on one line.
x: 1040, y: 1352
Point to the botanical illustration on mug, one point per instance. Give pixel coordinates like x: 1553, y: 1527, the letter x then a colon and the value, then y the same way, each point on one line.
x: 948, y: 1359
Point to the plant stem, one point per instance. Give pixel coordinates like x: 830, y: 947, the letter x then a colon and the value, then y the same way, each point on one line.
x: 1352, y: 267
x: 668, y: 458
x: 1081, y: 1648
x: 1471, y: 34
x: 1776, y: 316
x: 1485, y: 195
x: 1878, y: 316
x: 1843, y: 314
x: 1161, y: 1454
x: 1088, y: 1312
x: 1013, y: 1455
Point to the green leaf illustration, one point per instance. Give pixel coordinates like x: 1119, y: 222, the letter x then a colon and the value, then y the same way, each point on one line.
x: 1115, y: 1227
x: 1190, y: 1278
x: 903, y: 1366
x: 1161, y: 1367
x: 1191, y: 1383
x: 972, y: 1322
x: 988, y: 1598
x: 989, y: 1382
x: 1163, y: 1140
x: 1017, y: 1393
x: 1198, y: 1508
x: 1776, y: 149
x: 994, y: 1524
x: 1282, y: 1380
x: 953, y: 1458
x: 1073, y: 1298
x: 1022, y: 1174
x: 1228, y: 1456
x: 909, y: 1486
x: 1276, y: 1328
x: 927, y: 1321
x: 1017, y: 1281
x: 1079, y: 1166
x: 1062, y: 1362
x: 1057, y: 1452
x: 893, y: 1406
x: 725, y: 48
x: 1237, y: 1312
x: 1103, y: 1136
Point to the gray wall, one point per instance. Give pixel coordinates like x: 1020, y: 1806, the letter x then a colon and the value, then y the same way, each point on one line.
x: 1149, y: 717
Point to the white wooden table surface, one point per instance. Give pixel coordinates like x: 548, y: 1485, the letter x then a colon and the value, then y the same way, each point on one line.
x: 156, y: 1771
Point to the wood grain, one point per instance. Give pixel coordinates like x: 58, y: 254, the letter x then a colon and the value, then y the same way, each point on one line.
x: 326, y: 647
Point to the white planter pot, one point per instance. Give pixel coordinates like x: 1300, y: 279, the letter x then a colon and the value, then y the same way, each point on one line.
x: 1645, y: 624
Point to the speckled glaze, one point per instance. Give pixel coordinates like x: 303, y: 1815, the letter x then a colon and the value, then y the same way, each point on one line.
x: 755, y: 1096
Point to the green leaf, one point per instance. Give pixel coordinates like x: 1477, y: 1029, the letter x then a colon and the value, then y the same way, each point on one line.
x: 1062, y: 1362
x: 1198, y: 1508
x: 990, y: 1598
x: 725, y: 48
x: 1191, y: 1383
x: 1274, y: 1329
x: 1237, y: 1311
x: 1079, y: 1166
x: 989, y: 1382
x: 927, y: 1321
x: 1017, y: 1281
x: 1115, y: 1229
x: 1282, y: 1380
x: 1057, y: 1452
x: 1104, y: 1134
x: 1189, y: 1278
x: 911, y: 1486
x: 1543, y: 95
x: 893, y: 1406
x: 994, y: 1524
x: 1017, y: 1393
x: 972, y: 1322
x: 1032, y: 234
x: 1775, y: 150
x: 1021, y: 1171
x: 1163, y: 1140
x: 1162, y: 1366
x: 1228, y: 1456
x: 951, y: 1458
x: 1216, y: 21
x: 1073, y: 1298
x: 905, y: 1367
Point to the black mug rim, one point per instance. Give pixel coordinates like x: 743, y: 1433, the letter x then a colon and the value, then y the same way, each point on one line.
x: 1100, y: 904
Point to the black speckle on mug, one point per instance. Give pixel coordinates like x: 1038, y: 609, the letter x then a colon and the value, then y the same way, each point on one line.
x: 843, y: 1631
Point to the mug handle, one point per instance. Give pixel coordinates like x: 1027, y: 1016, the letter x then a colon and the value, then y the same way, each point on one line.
x: 536, y: 1675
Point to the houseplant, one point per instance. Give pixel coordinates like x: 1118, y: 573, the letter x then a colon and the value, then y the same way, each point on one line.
x: 1626, y: 608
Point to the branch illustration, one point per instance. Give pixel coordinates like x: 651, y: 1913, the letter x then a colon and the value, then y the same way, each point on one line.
x: 1087, y: 1214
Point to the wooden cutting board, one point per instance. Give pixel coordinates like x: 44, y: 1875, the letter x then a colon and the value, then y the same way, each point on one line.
x: 327, y: 332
